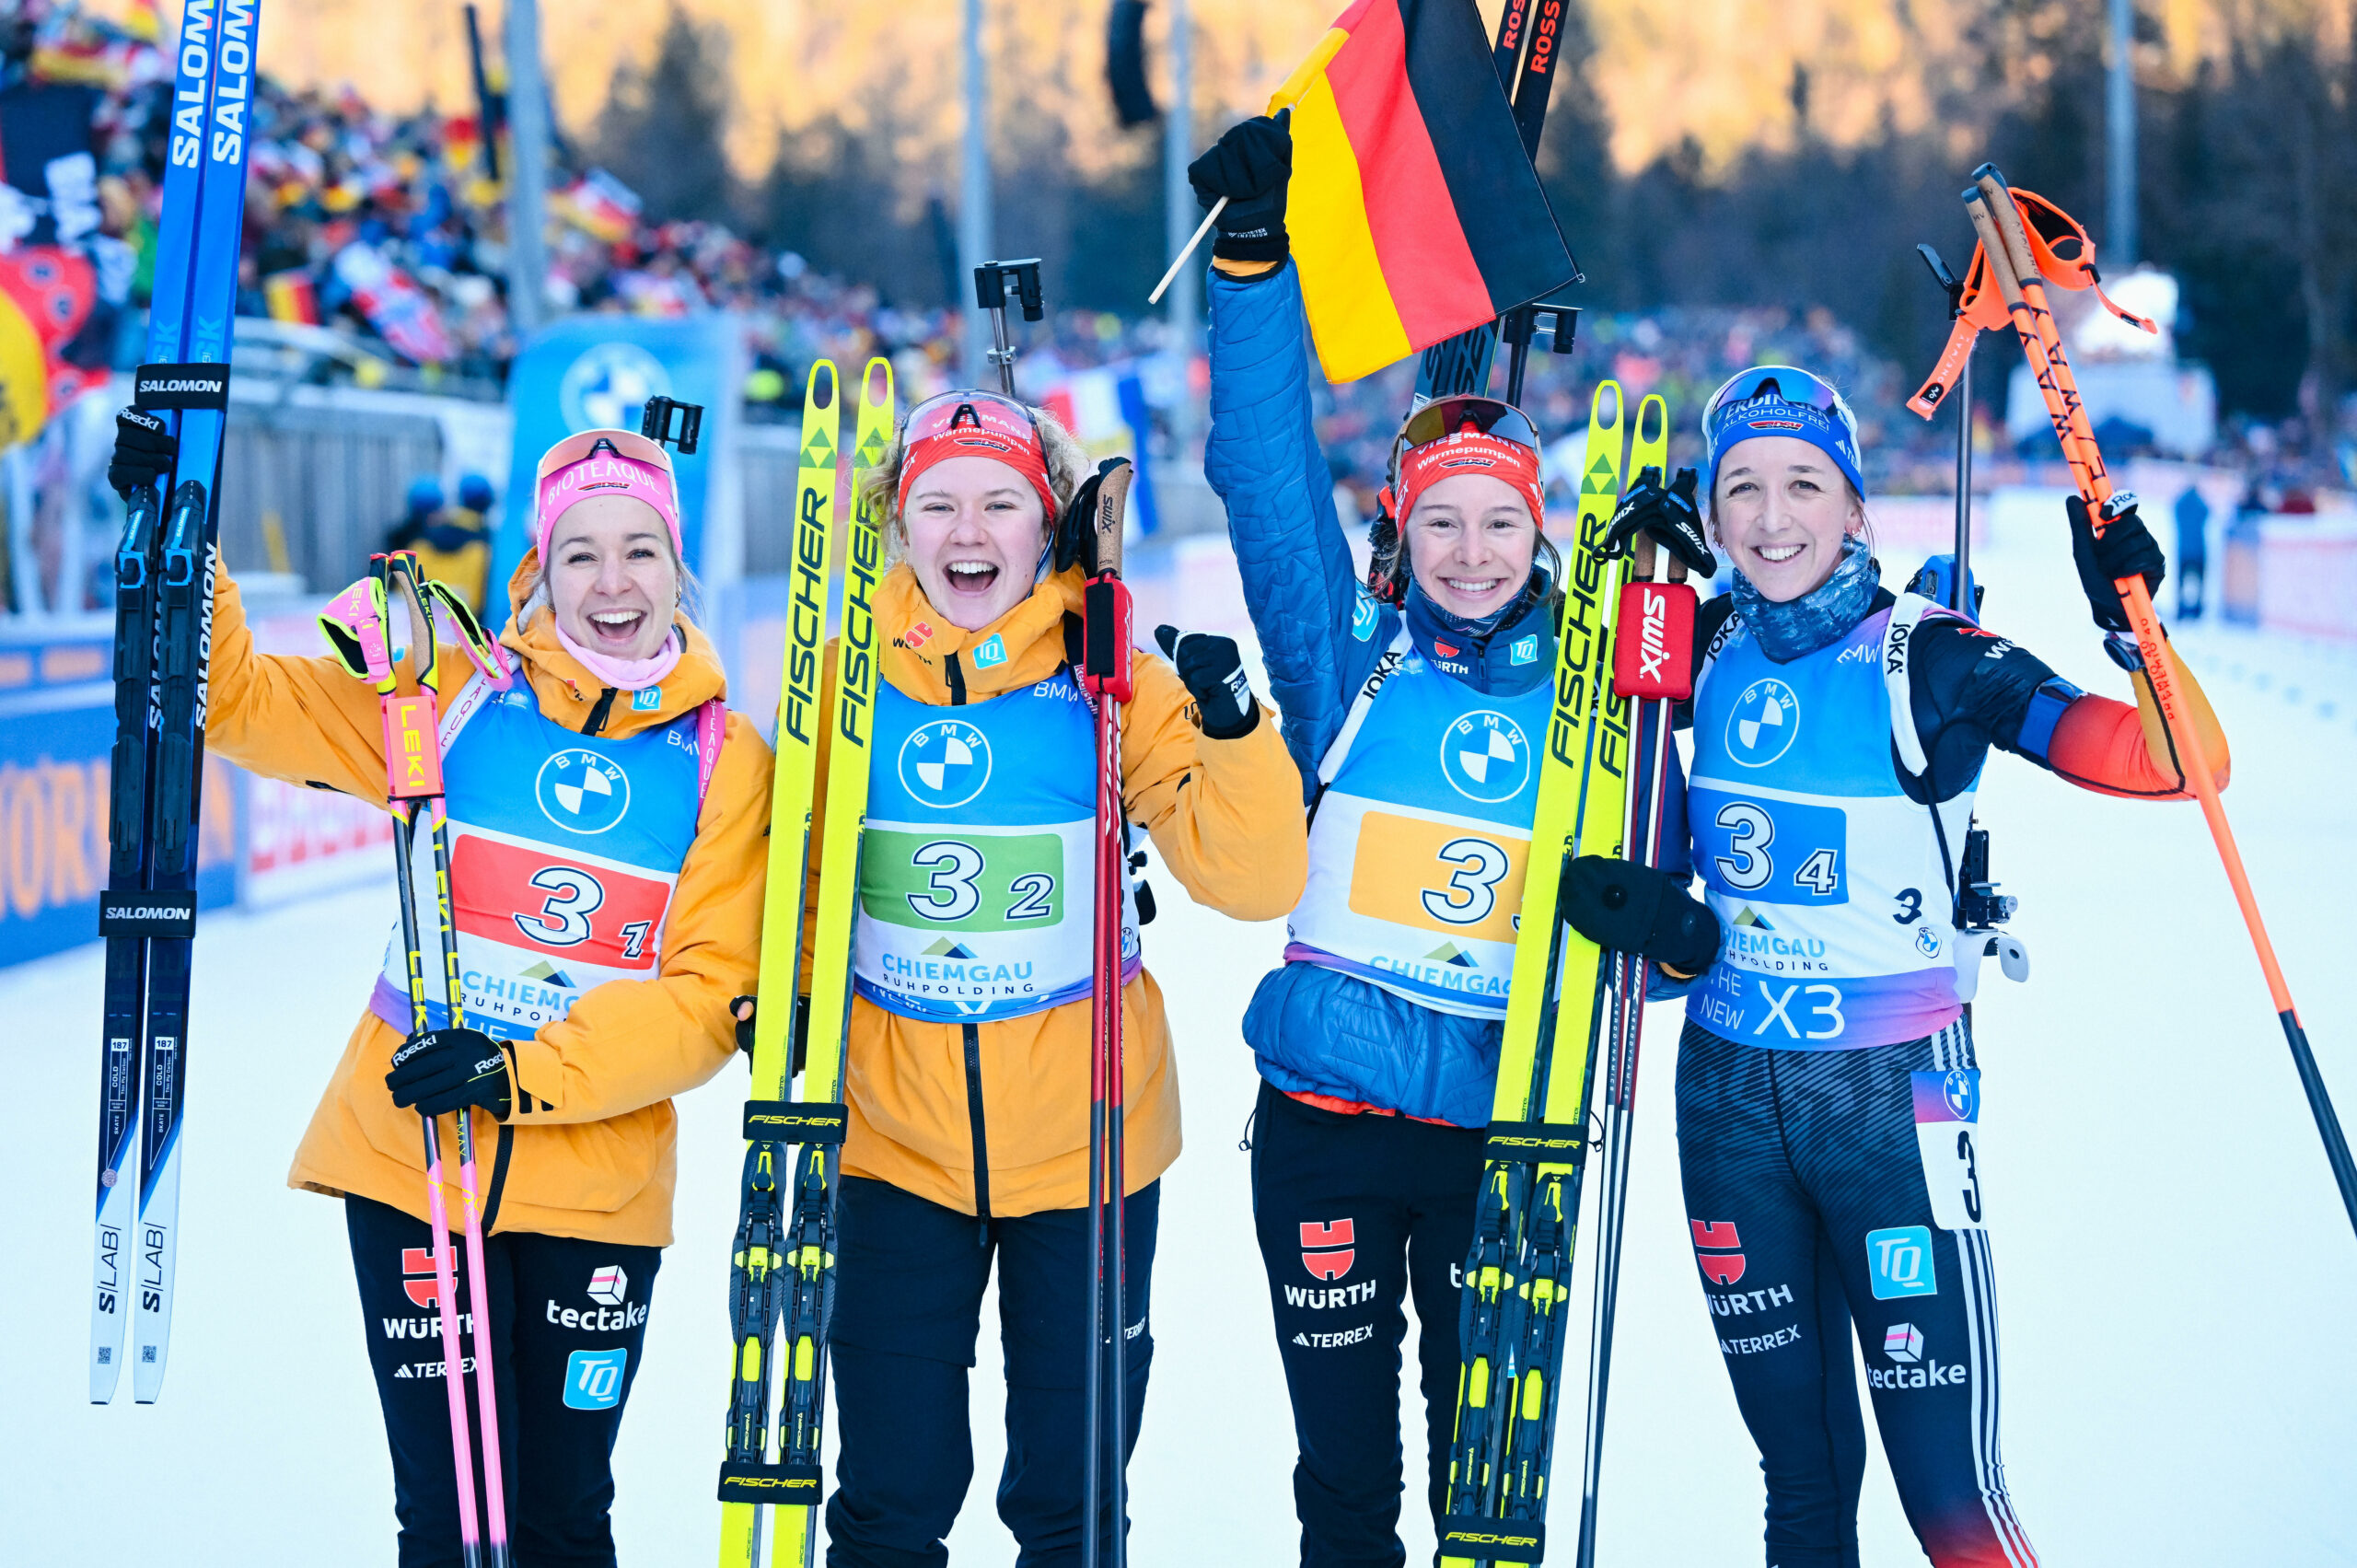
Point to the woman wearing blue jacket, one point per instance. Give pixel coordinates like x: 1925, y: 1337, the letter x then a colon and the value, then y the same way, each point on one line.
x: 1411, y: 713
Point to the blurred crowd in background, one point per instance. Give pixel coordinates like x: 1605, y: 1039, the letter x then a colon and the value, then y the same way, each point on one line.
x: 388, y: 232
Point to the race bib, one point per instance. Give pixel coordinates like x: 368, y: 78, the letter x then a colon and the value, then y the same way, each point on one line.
x: 1947, y: 1129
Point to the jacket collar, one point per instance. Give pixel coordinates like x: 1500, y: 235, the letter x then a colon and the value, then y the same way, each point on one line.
x: 934, y: 662
x: 1514, y: 655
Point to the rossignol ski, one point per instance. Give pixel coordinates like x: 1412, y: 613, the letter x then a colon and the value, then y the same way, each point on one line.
x: 163, y: 646
x: 783, y: 1265
x: 1518, y: 1271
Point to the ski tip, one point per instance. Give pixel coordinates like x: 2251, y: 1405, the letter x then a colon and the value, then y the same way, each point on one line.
x: 833, y: 381
x: 1620, y: 403
x: 869, y: 397
x: 1653, y: 420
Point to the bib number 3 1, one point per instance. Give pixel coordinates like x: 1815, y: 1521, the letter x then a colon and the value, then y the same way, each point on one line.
x: 1948, y: 1132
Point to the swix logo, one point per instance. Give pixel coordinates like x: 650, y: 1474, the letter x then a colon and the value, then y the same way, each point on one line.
x: 1721, y: 1264
x: 1653, y: 633
x: 1328, y: 1265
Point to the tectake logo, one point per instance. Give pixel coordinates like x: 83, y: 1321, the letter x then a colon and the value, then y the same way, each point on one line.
x: 608, y: 1286
x: 1485, y: 756
x: 1766, y: 719
x: 1903, y: 1342
x: 581, y: 791
x: 1910, y: 1368
x: 945, y: 763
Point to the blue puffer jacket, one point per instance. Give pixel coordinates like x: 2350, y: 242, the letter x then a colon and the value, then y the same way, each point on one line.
x: 1314, y: 1030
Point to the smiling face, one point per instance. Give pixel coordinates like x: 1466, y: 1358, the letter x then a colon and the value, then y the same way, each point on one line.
x: 1780, y: 510
x: 975, y: 529
x: 1469, y: 543
x: 613, y: 579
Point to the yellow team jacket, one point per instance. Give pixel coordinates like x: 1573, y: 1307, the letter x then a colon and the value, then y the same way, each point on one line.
x: 1225, y: 815
x: 596, y: 1156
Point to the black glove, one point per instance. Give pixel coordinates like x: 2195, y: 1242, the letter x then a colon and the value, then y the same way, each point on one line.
x: 1250, y: 166
x: 1669, y: 516
x: 1625, y: 908
x: 2126, y: 550
x: 1213, y: 671
x: 745, y: 1010
x: 443, y: 1070
x: 143, y: 453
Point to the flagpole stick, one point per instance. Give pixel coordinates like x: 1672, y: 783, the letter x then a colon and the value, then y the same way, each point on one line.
x: 1196, y: 238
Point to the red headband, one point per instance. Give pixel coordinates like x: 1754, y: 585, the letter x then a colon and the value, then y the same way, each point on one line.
x: 1469, y: 452
x: 1023, y: 454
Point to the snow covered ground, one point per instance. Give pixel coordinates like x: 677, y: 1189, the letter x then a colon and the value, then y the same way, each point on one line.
x: 2173, y: 1258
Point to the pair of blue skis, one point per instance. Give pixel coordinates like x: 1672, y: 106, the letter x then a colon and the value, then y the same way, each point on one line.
x: 162, y: 647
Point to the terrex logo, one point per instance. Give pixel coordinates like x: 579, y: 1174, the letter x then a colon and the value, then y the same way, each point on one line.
x: 1714, y: 1249
x: 1335, y: 1236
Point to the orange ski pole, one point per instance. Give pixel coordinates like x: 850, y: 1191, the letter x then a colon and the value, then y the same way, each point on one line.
x: 2011, y: 263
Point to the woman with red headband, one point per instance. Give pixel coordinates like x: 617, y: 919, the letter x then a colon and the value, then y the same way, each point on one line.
x: 606, y: 871
x: 967, y: 1067
x: 1412, y: 713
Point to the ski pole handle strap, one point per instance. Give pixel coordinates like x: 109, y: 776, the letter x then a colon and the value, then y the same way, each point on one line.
x: 1491, y: 1541
x: 744, y: 1481
x: 353, y: 624
x: 1534, y: 1143
x: 795, y: 1121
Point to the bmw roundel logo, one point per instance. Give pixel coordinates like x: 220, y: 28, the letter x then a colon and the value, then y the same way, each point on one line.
x: 1767, y: 719
x: 606, y: 386
x: 945, y: 762
x: 1961, y: 1090
x: 582, y: 790
x: 1485, y: 755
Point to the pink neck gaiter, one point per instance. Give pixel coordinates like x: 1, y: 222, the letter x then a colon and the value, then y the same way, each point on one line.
x: 626, y: 675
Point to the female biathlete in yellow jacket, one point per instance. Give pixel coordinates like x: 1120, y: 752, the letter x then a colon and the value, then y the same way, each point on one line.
x: 607, y: 873
x: 968, y: 1068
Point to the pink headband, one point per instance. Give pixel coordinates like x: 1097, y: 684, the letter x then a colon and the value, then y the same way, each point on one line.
x: 606, y: 472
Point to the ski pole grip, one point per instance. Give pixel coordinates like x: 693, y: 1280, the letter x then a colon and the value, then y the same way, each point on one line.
x: 1993, y: 244
x: 1999, y: 198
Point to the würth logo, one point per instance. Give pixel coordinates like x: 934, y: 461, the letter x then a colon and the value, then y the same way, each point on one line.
x: 417, y: 1275
x: 1335, y: 1236
x: 1714, y: 1243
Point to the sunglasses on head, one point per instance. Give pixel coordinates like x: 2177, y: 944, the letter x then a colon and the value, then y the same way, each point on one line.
x: 1781, y: 382
x: 587, y: 443
x: 968, y: 410
x: 1445, y: 417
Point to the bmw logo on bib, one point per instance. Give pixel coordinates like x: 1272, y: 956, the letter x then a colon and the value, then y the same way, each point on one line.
x: 1961, y: 1090
x: 1766, y: 719
x: 1486, y: 756
x: 945, y: 763
x: 582, y: 792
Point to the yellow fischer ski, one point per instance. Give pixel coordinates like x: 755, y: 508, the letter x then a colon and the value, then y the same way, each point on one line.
x: 810, y: 1245
x: 758, y: 1262
x: 1512, y: 1323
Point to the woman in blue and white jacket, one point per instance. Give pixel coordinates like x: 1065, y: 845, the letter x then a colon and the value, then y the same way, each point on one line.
x: 1412, y: 715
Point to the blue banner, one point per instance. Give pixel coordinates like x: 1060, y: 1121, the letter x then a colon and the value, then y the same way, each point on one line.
x: 597, y: 372
x: 56, y: 731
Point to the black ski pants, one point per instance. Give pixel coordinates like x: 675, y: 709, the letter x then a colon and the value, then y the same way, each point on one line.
x: 1808, y: 1196
x: 1352, y: 1212
x: 568, y: 1322
x: 909, y: 1282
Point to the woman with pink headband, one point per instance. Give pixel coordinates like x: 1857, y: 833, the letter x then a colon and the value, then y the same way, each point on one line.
x: 606, y: 817
x: 967, y: 1067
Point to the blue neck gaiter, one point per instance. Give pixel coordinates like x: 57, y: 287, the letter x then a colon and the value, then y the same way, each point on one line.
x: 1817, y: 618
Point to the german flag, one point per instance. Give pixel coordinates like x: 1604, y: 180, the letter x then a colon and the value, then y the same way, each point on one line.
x: 1414, y: 212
